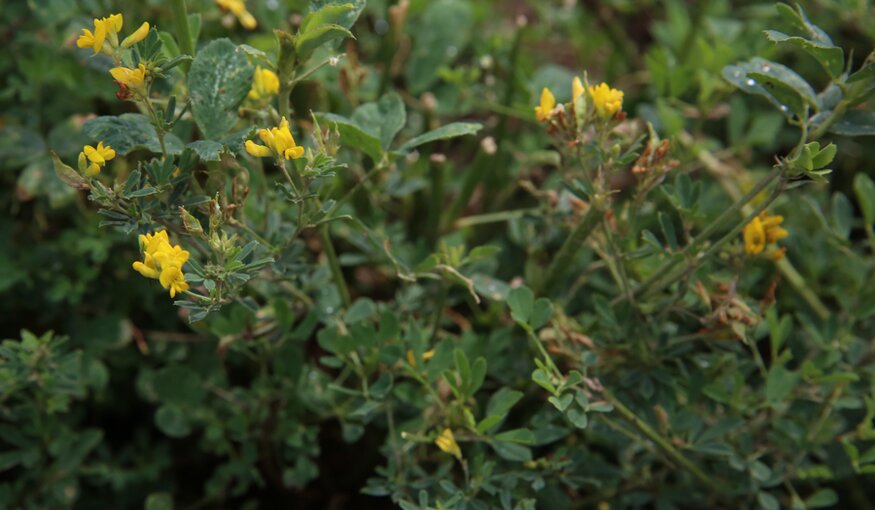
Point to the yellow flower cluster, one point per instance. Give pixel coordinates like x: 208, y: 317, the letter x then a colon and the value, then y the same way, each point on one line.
x: 447, y: 443
x: 279, y: 143
x: 763, y: 230
x: 92, y: 159
x: 163, y: 261
x: 108, y: 28
x: 133, y: 79
x: 238, y: 9
x: 606, y: 101
x: 265, y: 84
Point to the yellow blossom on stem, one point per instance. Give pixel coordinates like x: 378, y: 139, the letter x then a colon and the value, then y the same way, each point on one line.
x: 544, y: 111
x: 278, y: 142
x: 162, y: 261
x: 607, y: 101
x: 138, y: 35
x: 763, y: 230
x: 131, y: 78
x: 238, y: 9
x: 103, y: 28
x: 447, y: 443
x: 411, y: 357
x: 92, y: 159
x: 265, y: 83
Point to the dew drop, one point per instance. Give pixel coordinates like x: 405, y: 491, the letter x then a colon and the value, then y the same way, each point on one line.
x: 766, y: 68
x: 751, y: 82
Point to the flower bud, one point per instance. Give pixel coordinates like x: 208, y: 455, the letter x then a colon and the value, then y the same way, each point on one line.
x: 137, y: 36
x: 190, y: 223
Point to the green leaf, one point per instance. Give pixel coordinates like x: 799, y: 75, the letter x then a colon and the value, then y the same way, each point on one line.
x: 784, y: 93
x: 19, y: 146
x: 446, y: 132
x: 842, y: 215
x: 767, y: 501
x: 561, y: 403
x: 502, y: 401
x: 219, y: 79
x: 69, y: 176
x: 738, y: 75
x: 512, y: 451
x: 348, y: 18
x: 128, y: 132
x: 864, y: 189
x: 441, y: 34
x: 463, y: 367
x: 362, y: 309
x: 779, y: 384
x: 800, y: 23
x: 353, y: 136
x: 577, y: 418
x: 667, y: 226
x: 171, y: 420
x: 831, y: 57
x: 159, y: 501
x: 543, y: 380
x: 823, y: 498
x: 541, y: 312
x: 207, y: 150
x: 382, y: 119
x: 855, y: 123
x: 521, y: 301
x: 329, y: 14
x: 520, y: 436
x: 478, y: 375
x: 306, y: 43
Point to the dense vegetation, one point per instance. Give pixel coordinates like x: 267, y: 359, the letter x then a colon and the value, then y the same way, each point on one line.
x: 437, y: 254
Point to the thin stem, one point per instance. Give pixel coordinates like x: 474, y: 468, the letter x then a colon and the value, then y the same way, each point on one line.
x: 662, y: 442
x: 186, y: 44
x: 562, y: 261
x: 496, y: 217
x: 834, y: 117
x: 334, y: 264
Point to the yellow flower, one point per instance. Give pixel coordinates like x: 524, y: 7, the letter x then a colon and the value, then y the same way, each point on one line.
x: 278, y: 142
x: 137, y: 36
x: 238, y: 9
x: 103, y: 28
x: 754, y: 237
x: 447, y: 443
x: 607, y: 101
x: 764, y: 230
x: 163, y: 262
x: 131, y: 78
x: 92, y: 159
x: 544, y: 111
x: 265, y: 83
x: 577, y: 90
x: 411, y: 357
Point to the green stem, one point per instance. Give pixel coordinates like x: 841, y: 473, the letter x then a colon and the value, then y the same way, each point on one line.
x: 334, y: 264
x: 437, y: 203
x: 834, y: 117
x: 186, y: 44
x: 496, y: 217
x: 563, y: 259
x: 662, y: 442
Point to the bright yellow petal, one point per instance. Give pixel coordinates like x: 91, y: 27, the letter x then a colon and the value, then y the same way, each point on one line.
x: 99, y: 35
x: 144, y: 270
x: 259, y: 151
x: 294, y: 152
x: 86, y: 40
x: 93, y: 154
x: 137, y: 36
x: 577, y: 89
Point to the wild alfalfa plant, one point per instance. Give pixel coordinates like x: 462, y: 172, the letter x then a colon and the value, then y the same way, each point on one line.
x: 242, y: 218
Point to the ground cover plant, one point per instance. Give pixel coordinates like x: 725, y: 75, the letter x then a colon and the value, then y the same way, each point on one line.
x: 444, y: 254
